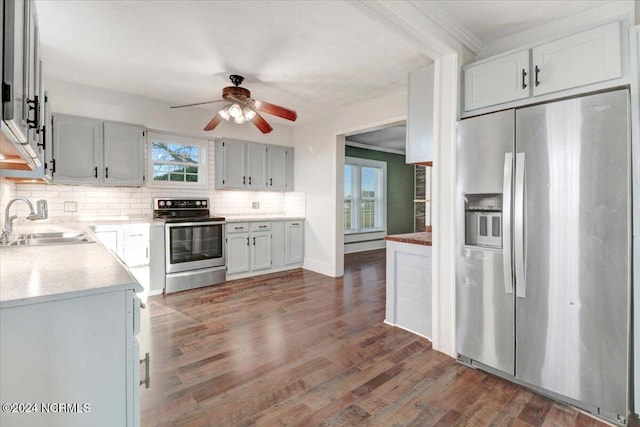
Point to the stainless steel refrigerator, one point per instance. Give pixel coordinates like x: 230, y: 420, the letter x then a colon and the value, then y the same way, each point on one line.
x: 543, y: 275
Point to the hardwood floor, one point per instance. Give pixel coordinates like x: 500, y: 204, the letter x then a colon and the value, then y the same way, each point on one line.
x: 299, y: 348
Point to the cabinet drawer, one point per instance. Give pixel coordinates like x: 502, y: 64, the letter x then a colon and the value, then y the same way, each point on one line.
x: 260, y: 226
x: 238, y: 227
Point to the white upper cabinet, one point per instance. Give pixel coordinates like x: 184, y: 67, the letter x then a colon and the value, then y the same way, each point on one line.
x: 90, y: 151
x: 497, y: 81
x: 589, y: 57
x: 419, y: 145
x: 579, y: 60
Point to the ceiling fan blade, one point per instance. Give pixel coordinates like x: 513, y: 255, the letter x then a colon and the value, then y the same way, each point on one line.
x: 214, y: 122
x: 197, y: 103
x: 261, y: 124
x: 276, y: 110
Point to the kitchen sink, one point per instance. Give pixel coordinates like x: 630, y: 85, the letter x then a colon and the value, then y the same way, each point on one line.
x: 40, y: 239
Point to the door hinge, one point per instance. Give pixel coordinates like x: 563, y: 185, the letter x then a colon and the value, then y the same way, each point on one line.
x: 6, y: 92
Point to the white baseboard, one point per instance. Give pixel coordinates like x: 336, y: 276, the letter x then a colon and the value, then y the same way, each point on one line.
x: 319, y: 267
x: 350, y: 248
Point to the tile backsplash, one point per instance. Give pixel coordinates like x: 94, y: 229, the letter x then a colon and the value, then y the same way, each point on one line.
x: 137, y: 202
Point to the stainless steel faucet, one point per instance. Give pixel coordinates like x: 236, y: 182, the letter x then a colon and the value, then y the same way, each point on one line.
x: 43, y: 213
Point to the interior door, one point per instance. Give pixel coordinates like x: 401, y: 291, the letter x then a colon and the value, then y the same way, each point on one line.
x: 573, y: 292
x: 484, y: 298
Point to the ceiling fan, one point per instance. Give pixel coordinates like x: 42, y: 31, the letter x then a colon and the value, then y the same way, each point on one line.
x: 242, y: 108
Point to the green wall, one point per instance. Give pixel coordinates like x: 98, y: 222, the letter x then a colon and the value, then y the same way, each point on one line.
x: 399, y: 188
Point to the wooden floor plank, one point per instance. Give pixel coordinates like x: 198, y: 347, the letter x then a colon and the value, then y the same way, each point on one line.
x: 302, y: 349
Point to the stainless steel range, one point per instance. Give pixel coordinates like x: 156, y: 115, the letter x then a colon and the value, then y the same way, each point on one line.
x: 194, y: 243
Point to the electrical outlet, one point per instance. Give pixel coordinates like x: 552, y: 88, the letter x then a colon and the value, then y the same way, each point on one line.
x: 255, y: 205
x: 71, y: 206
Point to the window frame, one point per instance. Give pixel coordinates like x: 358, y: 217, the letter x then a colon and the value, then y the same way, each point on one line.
x: 358, y: 199
x: 203, y: 160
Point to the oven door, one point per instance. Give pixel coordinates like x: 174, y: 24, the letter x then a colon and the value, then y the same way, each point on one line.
x: 194, y: 245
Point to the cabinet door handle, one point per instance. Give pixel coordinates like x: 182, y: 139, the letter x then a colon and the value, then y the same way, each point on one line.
x: 106, y: 172
x: 238, y: 228
x: 95, y: 172
x: 524, y: 75
x: 247, y: 241
x: 271, y: 182
x: 263, y: 226
x: 254, y: 241
x: 537, y: 72
x: 249, y: 180
x: 146, y: 381
x: 244, y: 180
x: 295, y: 223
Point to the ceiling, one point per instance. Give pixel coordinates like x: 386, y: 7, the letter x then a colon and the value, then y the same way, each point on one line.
x: 392, y: 137
x: 311, y: 56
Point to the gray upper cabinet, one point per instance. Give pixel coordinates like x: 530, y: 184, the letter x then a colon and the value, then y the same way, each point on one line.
x: 123, y: 154
x: 277, y: 168
x: 242, y: 165
x: 256, y: 166
x: 289, y: 171
x: 91, y: 151
x: 77, y: 146
x: 230, y: 160
x: 21, y: 79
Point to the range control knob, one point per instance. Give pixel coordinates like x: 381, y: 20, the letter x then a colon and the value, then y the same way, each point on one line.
x: 168, y: 202
x: 204, y: 203
x: 161, y: 203
x: 198, y: 203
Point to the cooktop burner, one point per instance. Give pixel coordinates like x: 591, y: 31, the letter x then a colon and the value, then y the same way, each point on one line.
x: 183, y: 210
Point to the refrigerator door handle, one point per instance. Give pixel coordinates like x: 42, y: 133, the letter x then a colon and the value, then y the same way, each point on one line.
x: 506, y: 223
x: 519, y: 227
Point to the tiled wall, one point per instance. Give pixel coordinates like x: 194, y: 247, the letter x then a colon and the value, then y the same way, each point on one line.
x: 136, y: 202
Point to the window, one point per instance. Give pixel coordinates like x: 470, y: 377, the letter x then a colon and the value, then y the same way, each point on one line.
x: 364, y: 195
x: 177, y: 161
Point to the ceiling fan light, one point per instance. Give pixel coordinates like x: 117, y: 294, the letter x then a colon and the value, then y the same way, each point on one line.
x: 235, y: 111
x: 249, y: 114
x: 225, y: 113
x: 239, y: 120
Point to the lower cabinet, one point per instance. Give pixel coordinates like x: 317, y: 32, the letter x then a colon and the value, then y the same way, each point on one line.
x: 294, y: 248
x: 248, y: 247
x: 71, y: 361
x: 261, y: 247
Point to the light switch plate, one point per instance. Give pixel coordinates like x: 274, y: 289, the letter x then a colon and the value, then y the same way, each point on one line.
x: 255, y: 205
x: 71, y: 206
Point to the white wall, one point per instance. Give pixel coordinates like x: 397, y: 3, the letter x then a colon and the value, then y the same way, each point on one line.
x: 70, y: 98
x: 319, y: 156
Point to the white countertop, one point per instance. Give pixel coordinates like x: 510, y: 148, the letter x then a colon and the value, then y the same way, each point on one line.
x: 34, y: 274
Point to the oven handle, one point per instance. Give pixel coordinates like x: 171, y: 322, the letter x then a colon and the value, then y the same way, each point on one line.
x: 190, y: 224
